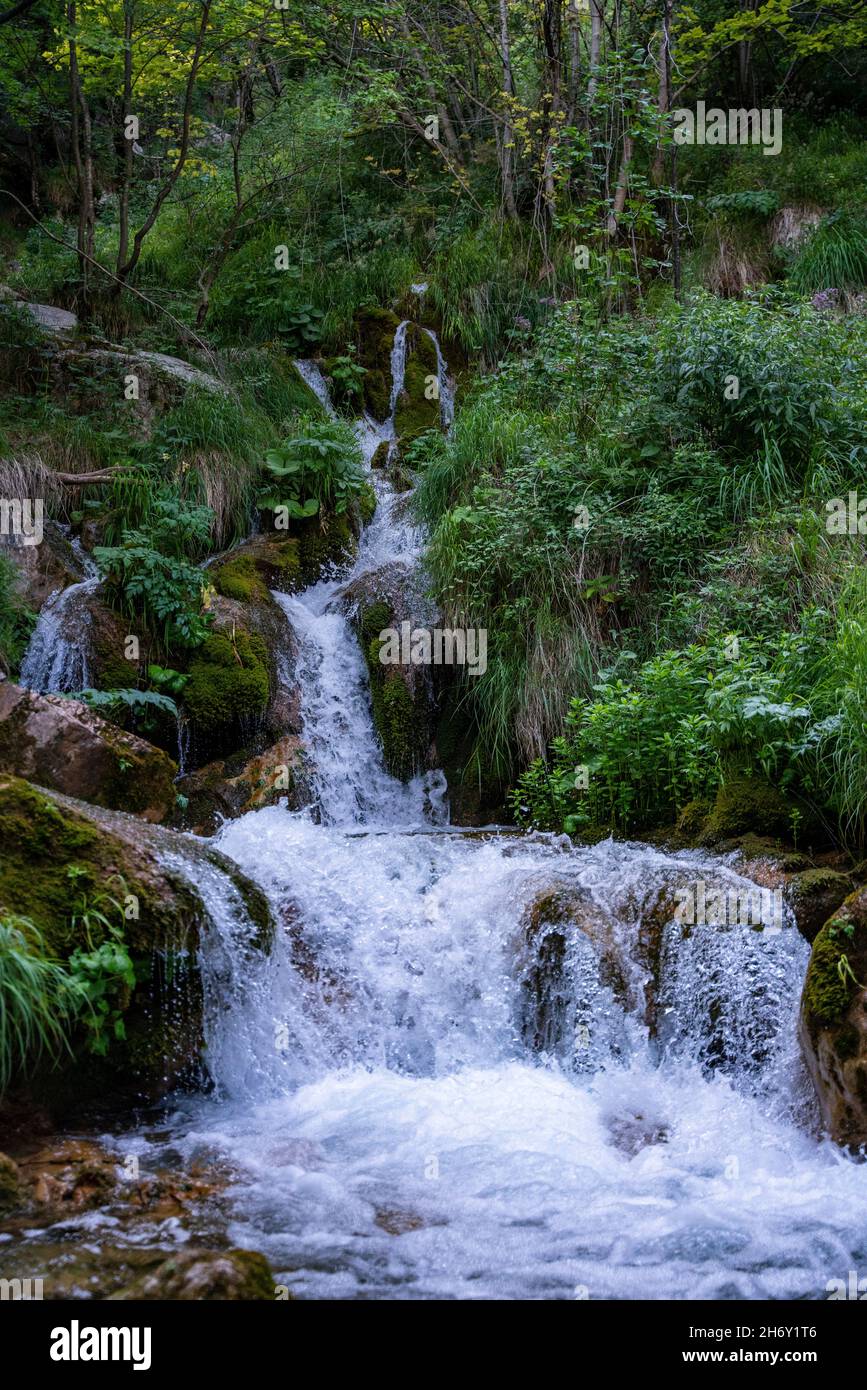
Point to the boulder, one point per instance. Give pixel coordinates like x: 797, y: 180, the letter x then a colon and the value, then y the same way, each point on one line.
x: 40, y: 570
x: 403, y: 697
x: 63, y: 745
x: 833, y: 1021
x: 233, y: 786
x: 814, y: 896
x: 77, y: 872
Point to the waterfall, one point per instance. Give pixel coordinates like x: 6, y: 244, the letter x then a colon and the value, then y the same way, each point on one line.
x: 481, y: 1064
x: 57, y: 658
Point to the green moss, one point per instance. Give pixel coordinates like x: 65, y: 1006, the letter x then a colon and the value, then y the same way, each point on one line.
x: 415, y: 412
x: 826, y: 994
x: 228, y: 681
x: 367, y: 503
x: 374, y: 336
x: 239, y: 579
x: 691, y: 820
x: 320, y: 546
x: 744, y: 805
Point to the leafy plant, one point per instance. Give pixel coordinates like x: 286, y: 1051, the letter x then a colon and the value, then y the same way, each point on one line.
x: 318, y: 468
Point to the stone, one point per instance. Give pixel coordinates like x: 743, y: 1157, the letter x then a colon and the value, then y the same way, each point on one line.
x: 206, y: 1274
x: 833, y: 1021
x: 231, y: 787
x: 63, y: 745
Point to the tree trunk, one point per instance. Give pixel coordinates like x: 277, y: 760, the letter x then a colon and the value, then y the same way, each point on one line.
x: 507, y: 144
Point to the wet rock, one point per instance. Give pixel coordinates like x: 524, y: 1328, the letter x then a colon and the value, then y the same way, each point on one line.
x: 40, y: 570
x: 206, y: 1274
x: 814, y: 896
x: 402, y: 696
x: 65, y: 866
x: 63, y: 745
x: 633, y: 1131
x: 233, y: 786
x: 552, y: 925
x: 10, y: 1184
x: 833, y: 1021
x: 374, y: 338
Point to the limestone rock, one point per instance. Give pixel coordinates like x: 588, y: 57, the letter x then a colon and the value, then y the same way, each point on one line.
x: 833, y: 1021
x: 61, y: 744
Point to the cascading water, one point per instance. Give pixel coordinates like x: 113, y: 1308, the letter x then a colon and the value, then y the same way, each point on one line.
x: 432, y: 1089
x: 56, y: 660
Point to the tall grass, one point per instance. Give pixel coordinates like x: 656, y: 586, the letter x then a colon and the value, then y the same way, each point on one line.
x: 37, y: 1006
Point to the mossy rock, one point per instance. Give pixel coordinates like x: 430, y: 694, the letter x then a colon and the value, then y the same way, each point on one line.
x: 10, y: 1184
x: 374, y: 337
x: 228, y: 683
x: 65, y: 746
x: 56, y: 851
x: 692, y: 818
x: 322, y: 545
x: 367, y: 503
x: 747, y: 805
x: 814, y: 896
x: 206, y: 1275
x: 398, y: 697
x: 833, y: 1020
x: 252, y: 569
x: 415, y: 413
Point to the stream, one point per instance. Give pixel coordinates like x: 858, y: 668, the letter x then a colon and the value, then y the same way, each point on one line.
x: 416, y: 1100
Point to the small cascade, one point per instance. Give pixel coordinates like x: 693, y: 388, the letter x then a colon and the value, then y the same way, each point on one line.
x: 446, y: 385
x: 57, y: 659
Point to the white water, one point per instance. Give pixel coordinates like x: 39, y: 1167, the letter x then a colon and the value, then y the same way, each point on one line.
x: 393, y: 1131
x: 57, y: 658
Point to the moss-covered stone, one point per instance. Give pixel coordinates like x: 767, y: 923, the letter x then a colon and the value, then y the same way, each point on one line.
x: 833, y: 1020
x: 747, y: 804
x: 374, y: 336
x: 416, y: 411
x: 65, y: 867
x: 814, y: 895
x: 331, y: 541
x: 206, y: 1274
x: 64, y: 745
x: 10, y: 1184
x: 367, y: 503
x: 228, y: 682
x: 239, y: 578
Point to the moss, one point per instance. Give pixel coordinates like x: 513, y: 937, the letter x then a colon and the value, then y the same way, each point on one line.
x: 367, y: 503
x: 826, y: 994
x: 691, y: 820
x: 374, y: 336
x: 319, y: 546
x: 228, y: 681
x: 239, y: 579
x: 42, y: 841
x: 744, y: 805
x: 415, y: 412
x: 401, y: 727
x: 10, y: 1184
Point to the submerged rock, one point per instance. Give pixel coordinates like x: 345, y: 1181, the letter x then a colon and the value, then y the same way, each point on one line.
x: 833, y: 1021
x: 62, y: 744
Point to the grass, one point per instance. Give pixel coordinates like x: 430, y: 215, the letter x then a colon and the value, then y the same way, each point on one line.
x: 37, y: 1006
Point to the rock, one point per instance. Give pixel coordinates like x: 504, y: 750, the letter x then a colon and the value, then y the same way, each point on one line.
x: 747, y: 805
x: 233, y: 786
x: 402, y: 696
x: 792, y: 225
x: 10, y: 1184
x: 206, y: 1274
x: 374, y: 338
x: 40, y: 570
x: 52, y: 319
x: 814, y: 896
x: 63, y: 745
x: 833, y: 1021
x: 415, y: 411
x: 549, y: 928
x: 66, y: 867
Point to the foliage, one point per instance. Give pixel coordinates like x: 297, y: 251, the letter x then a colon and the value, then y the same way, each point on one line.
x: 317, y: 468
x: 36, y: 1004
